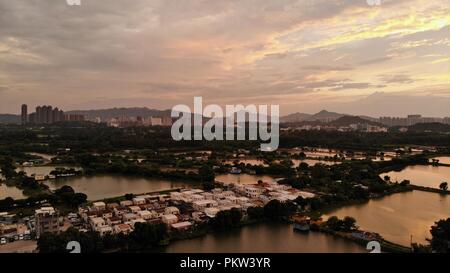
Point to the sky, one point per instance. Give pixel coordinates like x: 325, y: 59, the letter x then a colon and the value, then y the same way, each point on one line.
x: 305, y: 55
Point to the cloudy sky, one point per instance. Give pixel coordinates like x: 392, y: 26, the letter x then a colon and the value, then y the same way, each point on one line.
x: 306, y: 55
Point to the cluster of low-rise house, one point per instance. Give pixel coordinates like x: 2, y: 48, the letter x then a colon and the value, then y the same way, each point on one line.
x: 181, y: 210
x: 350, y: 128
x: 13, y: 228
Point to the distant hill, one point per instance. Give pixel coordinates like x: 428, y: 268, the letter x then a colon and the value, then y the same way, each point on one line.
x: 121, y: 112
x: 430, y: 127
x: 347, y: 120
x: 295, y: 117
x: 324, y: 116
x: 9, y: 118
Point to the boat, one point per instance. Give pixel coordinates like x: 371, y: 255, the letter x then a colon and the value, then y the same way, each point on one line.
x: 303, y: 227
x: 235, y: 170
x: 301, y: 223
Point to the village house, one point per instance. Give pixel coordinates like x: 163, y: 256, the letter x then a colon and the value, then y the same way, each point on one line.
x: 169, y: 219
x: 145, y: 214
x: 171, y: 210
x: 181, y: 226
x: 134, y: 209
x: 139, y: 201
x: 201, y: 205
x: 122, y: 228
x: 113, y: 221
x: 126, y: 203
x: 96, y: 222
x: 128, y: 217
x: 211, y: 211
x: 139, y: 220
x: 98, y: 206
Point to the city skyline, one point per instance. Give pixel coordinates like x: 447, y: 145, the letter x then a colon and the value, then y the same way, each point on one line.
x: 343, y: 56
x: 24, y: 108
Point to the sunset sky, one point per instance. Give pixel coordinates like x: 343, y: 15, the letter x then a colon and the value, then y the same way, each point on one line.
x: 305, y: 55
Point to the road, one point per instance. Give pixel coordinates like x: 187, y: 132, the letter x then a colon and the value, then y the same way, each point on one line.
x: 19, y: 246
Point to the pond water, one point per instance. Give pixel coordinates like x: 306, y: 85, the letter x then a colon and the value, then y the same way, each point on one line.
x: 264, y: 237
x: 443, y: 159
x: 396, y: 217
x: 13, y: 192
x: 421, y: 175
x: 244, y: 178
x: 100, y: 187
x: 44, y: 170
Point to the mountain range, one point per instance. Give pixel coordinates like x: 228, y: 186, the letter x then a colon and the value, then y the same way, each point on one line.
x: 323, y: 116
x: 121, y: 112
x: 104, y: 114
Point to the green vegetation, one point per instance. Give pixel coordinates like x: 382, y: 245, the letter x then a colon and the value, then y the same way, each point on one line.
x: 346, y: 225
x: 143, y: 238
x: 227, y: 219
x: 440, y: 239
x: 65, y: 199
x: 275, y: 210
x: 151, y: 152
x: 440, y: 232
x: 443, y: 186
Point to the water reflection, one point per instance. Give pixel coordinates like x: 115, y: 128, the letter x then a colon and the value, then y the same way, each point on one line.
x: 427, y: 176
x: 100, y: 187
x: 243, y: 178
x: 266, y: 237
x: 398, y: 216
x: 13, y: 192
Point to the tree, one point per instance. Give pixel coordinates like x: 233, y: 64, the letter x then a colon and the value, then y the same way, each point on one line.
x: 255, y: 213
x: 301, y: 155
x: 51, y: 243
x: 348, y: 224
x: 302, y: 202
x: 6, y: 204
x: 90, y: 242
x: 440, y: 233
x: 443, y: 186
x: 276, y: 210
x: 227, y: 219
x: 206, y: 174
x: 272, y: 210
x: 303, y: 166
x: 78, y: 199
x: 146, y: 236
x: 207, y: 186
x: 405, y: 182
x: 334, y: 223
x: 319, y: 171
x: 129, y: 196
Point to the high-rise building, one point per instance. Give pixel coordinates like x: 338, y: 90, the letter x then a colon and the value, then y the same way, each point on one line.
x: 46, y: 220
x: 413, y: 119
x: 57, y: 115
x: 24, y: 114
x: 32, y: 118
x: 46, y: 114
x: 167, y: 121
x: 38, y: 118
x: 73, y: 117
x: 156, y: 121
